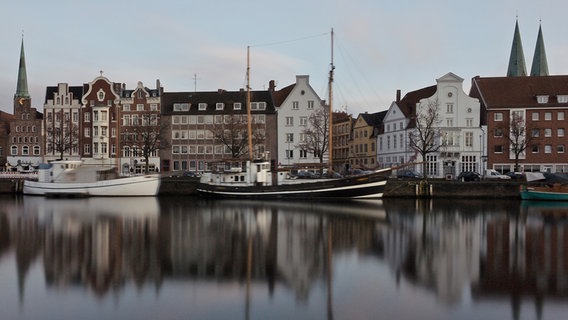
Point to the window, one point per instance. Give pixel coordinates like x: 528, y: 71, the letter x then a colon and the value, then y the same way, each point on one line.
x: 237, y: 106
x: 498, y: 116
x: 469, y: 139
x: 469, y: 122
x: 36, y: 151
x: 140, y: 107
x: 219, y: 106
x: 449, y: 108
x: 548, y: 132
x: 547, y: 148
x: 560, y: 148
x: 258, y: 105
x: 498, y: 148
x: 289, y: 137
x: 87, y: 117
x: 289, y: 121
x: 202, y: 106
x: 449, y: 122
x: 560, y: 115
x: 181, y: 106
x: 535, y: 148
x: 560, y: 132
x: 310, y: 104
x: 154, y: 107
x: 289, y: 154
x: 535, y: 133
x: 295, y: 105
x: 542, y: 99
x: 304, y: 121
x: 303, y: 154
x: 14, y: 150
x: 535, y: 116
x: 548, y: 116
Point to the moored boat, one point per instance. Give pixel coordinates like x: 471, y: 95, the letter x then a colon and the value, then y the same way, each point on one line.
x: 257, y: 181
x: 72, y: 178
x: 556, y: 192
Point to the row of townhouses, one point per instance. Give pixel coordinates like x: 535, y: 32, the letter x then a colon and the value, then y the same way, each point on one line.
x: 511, y: 123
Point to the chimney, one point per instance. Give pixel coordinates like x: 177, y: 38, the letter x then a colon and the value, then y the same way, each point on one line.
x: 398, y: 95
x: 271, y: 85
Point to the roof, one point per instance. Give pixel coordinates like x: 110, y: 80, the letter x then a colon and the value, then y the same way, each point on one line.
x: 211, y: 98
x: 280, y: 96
x: 518, y: 92
x: 408, y: 103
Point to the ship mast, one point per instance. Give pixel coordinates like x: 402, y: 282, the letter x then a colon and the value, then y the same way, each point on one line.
x: 330, y: 99
x: 249, y: 116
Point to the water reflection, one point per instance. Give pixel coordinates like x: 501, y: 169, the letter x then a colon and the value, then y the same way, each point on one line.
x: 459, y: 252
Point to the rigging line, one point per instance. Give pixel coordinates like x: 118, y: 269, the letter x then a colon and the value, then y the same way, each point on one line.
x: 289, y: 41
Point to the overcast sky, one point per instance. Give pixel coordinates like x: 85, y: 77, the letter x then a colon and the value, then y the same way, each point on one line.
x: 379, y: 47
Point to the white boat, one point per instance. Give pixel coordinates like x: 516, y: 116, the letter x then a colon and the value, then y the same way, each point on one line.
x: 73, y: 178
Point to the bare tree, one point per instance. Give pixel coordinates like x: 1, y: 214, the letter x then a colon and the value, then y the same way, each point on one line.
x: 518, y: 134
x: 146, y: 135
x: 63, y: 138
x: 425, y: 137
x: 231, y: 130
x: 316, y: 133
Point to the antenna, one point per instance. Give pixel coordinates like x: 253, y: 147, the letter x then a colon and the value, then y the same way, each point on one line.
x: 195, y: 78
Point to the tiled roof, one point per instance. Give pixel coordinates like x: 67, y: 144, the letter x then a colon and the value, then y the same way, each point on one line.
x: 408, y: 103
x: 281, y: 95
x: 507, y: 92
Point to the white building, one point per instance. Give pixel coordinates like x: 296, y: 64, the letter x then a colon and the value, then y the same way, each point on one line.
x: 295, y: 104
x: 460, y: 134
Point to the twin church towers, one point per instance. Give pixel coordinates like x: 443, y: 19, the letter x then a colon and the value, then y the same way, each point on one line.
x: 517, y: 67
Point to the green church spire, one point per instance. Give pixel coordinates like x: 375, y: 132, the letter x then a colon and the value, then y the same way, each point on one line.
x: 539, y: 64
x: 22, y: 87
x: 517, y: 66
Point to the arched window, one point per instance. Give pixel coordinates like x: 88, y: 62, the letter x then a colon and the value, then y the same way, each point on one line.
x: 25, y: 150
x: 14, y: 150
x: 36, y: 150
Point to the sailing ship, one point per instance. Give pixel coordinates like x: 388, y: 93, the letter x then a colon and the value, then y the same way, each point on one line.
x: 72, y: 178
x: 254, y: 178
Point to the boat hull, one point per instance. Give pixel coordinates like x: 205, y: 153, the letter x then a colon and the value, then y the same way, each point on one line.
x: 359, y: 187
x: 147, y: 185
x: 543, y: 195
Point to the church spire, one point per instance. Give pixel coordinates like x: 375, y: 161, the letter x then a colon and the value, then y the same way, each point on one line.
x: 517, y: 66
x: 22, y: 86
x: 539, y: 64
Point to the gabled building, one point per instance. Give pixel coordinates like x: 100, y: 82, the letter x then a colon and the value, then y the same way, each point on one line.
x: 363, y: 146
x: 62, y: 110
x: 458, y: 130
x: 5, y: 120
x: 25, y: 134
x: 99, y: 121
x: 139, y: 117
x: 393, y: 147
x: 194, y: 118
x: 295, y: 104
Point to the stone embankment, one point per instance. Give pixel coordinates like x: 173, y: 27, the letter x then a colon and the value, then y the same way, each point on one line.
x: 176, y: 186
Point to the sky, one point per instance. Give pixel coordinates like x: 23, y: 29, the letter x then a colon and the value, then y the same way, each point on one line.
x: 379, y: 47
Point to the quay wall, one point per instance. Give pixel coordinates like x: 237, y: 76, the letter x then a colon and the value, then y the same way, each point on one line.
x: 395, y: 188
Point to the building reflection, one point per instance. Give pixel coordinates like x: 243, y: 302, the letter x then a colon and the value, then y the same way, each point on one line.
x: 478, y: 250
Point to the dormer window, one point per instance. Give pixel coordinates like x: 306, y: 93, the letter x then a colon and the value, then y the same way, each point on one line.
x: 219, y: 106
x: 562, y: 98
x: 202, y: 106
x: 542, y: 99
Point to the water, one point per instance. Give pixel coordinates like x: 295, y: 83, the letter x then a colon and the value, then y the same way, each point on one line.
x: 186, y: 258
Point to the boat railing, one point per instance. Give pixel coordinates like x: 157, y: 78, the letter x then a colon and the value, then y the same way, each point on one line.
x: 18, y: 175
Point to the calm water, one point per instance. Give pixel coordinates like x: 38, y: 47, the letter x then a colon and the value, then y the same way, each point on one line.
x: 176, y: 258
